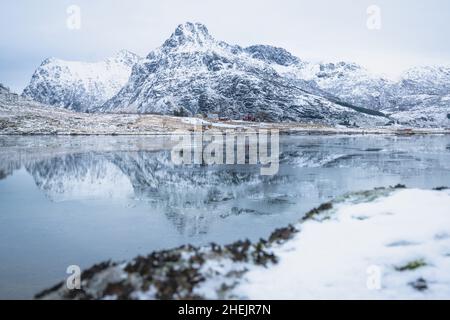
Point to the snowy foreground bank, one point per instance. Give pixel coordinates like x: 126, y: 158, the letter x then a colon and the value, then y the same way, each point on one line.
x: 382, y: 244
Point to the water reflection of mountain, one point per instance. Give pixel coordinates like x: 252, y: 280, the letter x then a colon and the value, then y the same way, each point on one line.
x: 80, y: 176
x: 7, y: 168
x: 190, y: 196
x: 149, y: 175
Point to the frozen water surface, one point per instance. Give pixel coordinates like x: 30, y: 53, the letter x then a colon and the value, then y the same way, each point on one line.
x: 82, y: 200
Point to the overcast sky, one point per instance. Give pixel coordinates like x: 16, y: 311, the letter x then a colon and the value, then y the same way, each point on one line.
x: 413, y: 32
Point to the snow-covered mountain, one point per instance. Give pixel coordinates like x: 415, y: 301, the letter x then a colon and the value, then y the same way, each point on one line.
x: 350, y: 82
x: 80, y: 86
x: 429, y: 80
x: 192, y: 73
x: 421, y: 97
x: 7, y: 95
x: 3, y: 90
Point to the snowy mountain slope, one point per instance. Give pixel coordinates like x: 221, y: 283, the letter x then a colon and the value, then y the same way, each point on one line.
x: 429, y: 80
x: 422, y: 111
x: 273, y: 55
x: 192, y: 73
x: 350, y: 82
x: 421, y: 86
x: 421, y: 97
x: 3, y: 90
x: 6, y: 94
x: 80, y: 86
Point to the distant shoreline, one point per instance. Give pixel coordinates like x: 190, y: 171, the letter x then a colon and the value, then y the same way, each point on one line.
x: 30, y: 118
x: 283, y: 131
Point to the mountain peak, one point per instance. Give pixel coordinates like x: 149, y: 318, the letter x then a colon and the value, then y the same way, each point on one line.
x: 126, y: 57
x: 123, y: 54
x: 189, y: 34
x: 80, y: 85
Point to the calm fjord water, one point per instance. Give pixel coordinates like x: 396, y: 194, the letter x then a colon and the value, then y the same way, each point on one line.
x: 83, y: 200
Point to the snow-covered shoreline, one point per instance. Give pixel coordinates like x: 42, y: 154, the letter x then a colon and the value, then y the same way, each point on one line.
x: 394, y: 247
x: 388, y: 243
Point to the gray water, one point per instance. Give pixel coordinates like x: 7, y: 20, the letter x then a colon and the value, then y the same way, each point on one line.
x: 82, y: 200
